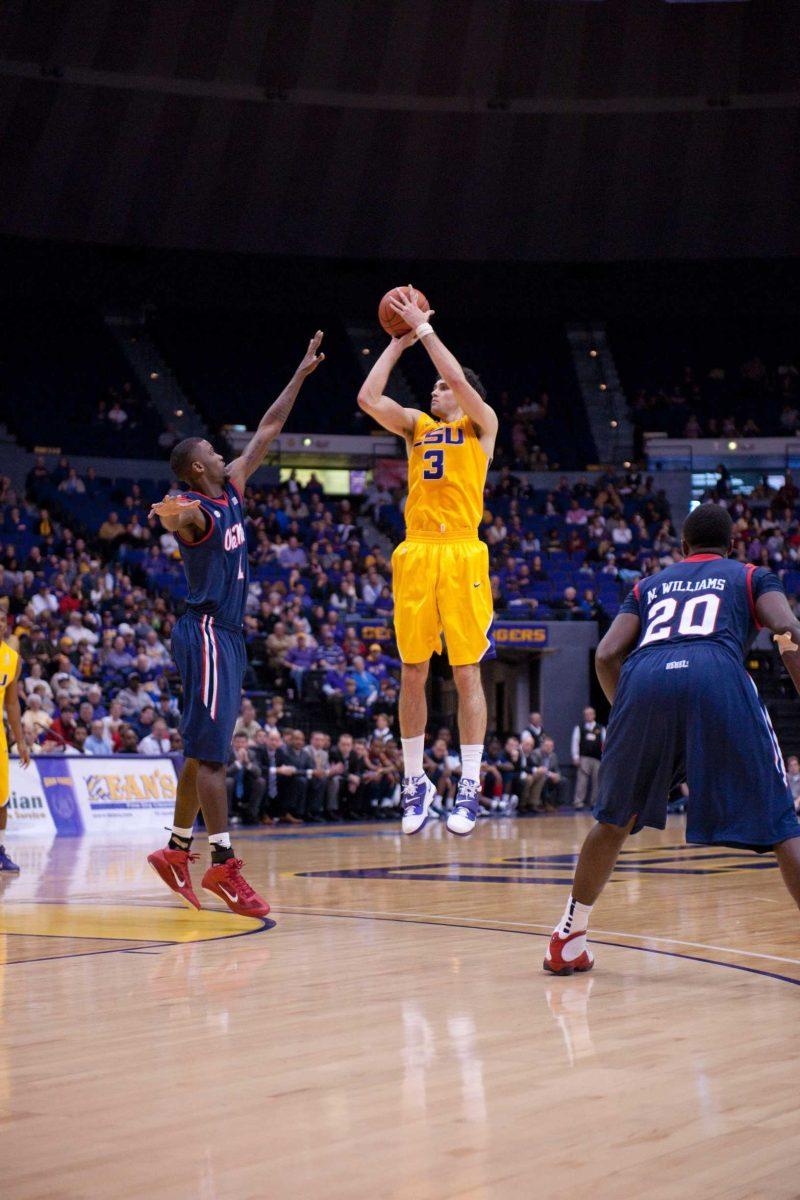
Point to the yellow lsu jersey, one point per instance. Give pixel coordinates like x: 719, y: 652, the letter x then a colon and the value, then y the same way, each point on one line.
x: 446, y: 477
x: 8, y: 673
x: 9, y: 660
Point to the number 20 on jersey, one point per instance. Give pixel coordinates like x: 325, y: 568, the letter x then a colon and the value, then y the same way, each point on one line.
x: 698, y: 618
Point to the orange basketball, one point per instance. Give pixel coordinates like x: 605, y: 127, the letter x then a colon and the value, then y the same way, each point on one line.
x: 394, y: 325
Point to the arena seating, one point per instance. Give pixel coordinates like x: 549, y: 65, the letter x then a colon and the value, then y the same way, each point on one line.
x: 710, y: 380
x: 58, y: 367
x: 232, y: 366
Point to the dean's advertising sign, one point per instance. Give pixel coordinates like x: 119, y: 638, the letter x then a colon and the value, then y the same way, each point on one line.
x: 123, y: 793
x: 69, y: 795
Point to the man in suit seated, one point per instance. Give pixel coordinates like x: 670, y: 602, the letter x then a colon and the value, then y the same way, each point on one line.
x: 546, y: 792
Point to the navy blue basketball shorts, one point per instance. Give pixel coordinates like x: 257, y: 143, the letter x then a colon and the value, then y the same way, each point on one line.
x: 693, y: 714
x: 211, y: 662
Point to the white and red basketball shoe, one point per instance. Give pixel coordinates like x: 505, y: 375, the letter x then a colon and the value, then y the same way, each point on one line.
x: 172, y: 866
x: 226, y: 881
x: 557, y: 964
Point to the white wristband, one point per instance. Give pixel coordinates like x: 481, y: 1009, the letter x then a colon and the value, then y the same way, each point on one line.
x: 424, y: 330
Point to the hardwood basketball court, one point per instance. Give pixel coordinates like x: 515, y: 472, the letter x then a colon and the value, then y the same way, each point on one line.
x: 392, y: 1033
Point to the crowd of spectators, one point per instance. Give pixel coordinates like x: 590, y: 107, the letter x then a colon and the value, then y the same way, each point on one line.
x: 564, y: 554
x: 100, y: 586
x: 766, y: 526
x: 92, y: 601
x: 569, y: 553
x: 92, y: 614
x: 92, y: 606
x: 275, y: 777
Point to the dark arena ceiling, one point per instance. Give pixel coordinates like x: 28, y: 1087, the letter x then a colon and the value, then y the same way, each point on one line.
x: 454, y: 129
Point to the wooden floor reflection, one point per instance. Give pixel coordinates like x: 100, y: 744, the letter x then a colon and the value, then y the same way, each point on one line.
x: 392, y: 1034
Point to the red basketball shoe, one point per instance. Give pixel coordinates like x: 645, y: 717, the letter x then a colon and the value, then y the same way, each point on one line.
x: 173, y: 867
x: 226, y: 881
x: 557, y: 965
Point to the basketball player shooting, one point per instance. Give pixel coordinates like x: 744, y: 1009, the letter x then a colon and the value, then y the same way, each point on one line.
x: 684, y: 707
x: 208, y: 644
x: 441, y: 571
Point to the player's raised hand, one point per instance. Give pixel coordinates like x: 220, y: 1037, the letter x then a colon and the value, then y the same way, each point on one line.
x: 172, y: 506
x: 311, y: 359
x: 405, y: 304
x: 399, y: 344
x: 785, y: 643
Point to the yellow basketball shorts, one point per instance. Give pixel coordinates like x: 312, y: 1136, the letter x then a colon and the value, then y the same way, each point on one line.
x: 442, y: 587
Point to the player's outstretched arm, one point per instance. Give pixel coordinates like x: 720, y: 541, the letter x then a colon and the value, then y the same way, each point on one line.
x: 614, y: 649
x: 14, y: 718
x: 450, y: 370
x: 176, y: 512
x: 274, y: 419
x: 774, y: 612
x: 383, y: 409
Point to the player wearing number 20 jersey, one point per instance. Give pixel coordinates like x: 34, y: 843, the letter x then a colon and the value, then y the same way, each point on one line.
x: 685, y: 708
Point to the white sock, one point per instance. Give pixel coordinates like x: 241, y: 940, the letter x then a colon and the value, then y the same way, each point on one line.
x: 223, y: 840
x: 412, y: 755
x: 186, y: 834
x: 471, y: 761
x: 574, y: 920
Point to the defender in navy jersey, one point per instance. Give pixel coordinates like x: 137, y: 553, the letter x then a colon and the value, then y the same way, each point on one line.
x: 684, y: 708
x: 207, y: 641
x: 208, y: 520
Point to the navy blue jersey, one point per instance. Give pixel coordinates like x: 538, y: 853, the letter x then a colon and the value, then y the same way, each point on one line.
x: 216, y: 566
x: 705, y: 598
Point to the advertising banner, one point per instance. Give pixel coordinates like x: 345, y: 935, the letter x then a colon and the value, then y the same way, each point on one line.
x: 70, y: 794
x: 519, y: 635
x: 508, y: 635
x: 28, y: 811
x: 123, y: 793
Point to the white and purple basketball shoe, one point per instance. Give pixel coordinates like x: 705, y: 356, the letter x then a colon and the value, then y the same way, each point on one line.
x: 416, y: 797
x: 464, y: 814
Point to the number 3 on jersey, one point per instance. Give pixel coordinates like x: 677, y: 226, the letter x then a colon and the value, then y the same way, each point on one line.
x: 691, y: 624
x: 436, y: 469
